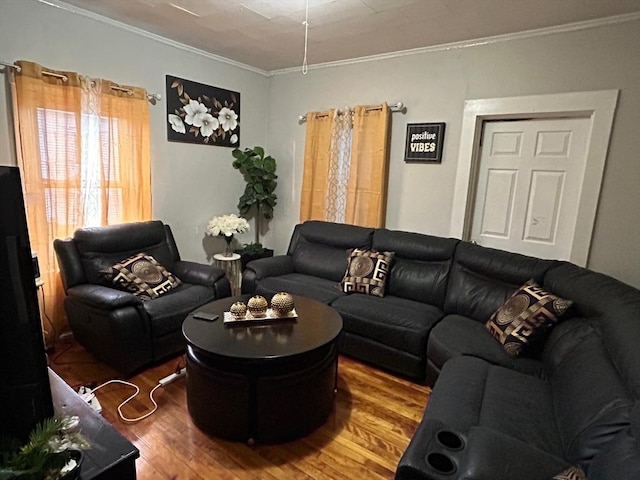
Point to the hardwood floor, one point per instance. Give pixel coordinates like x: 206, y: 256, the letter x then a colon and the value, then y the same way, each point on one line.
x: 375, y: 416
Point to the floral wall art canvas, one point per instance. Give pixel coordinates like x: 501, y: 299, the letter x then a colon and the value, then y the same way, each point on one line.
x: 198, y: 113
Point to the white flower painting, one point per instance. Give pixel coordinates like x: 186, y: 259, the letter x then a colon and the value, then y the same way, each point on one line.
x: 176, y: 123
x: 198, y: 113
x: 228, y: 119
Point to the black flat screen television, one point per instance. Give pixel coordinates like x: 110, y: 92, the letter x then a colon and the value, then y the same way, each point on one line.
x: 25, y: 394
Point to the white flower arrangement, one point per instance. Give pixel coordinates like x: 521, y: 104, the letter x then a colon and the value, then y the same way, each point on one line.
x: 227, y: 225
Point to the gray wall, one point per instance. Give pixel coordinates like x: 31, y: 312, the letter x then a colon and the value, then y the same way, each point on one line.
x: 434, y: 87
x: 190, y: 182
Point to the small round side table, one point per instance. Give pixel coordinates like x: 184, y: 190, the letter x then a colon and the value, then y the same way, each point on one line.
x: 231, y: 265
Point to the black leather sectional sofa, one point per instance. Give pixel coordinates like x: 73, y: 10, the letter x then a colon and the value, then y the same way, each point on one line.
x: 571, y: 400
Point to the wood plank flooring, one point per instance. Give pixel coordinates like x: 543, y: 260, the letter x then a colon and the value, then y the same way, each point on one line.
x: 374, y: 418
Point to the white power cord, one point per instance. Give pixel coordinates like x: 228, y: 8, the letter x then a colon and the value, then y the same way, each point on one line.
x: 161, y: 383
x: 305, y: 68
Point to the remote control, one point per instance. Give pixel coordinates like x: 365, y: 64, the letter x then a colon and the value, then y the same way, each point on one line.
x: 209, y: 317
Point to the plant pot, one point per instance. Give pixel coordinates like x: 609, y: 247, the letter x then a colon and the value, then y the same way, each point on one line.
x: 228, y: 251
x: 248, y: 257
x: 74, y: 473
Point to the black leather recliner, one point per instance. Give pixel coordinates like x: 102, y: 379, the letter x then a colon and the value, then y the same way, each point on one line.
x: 116, y: 326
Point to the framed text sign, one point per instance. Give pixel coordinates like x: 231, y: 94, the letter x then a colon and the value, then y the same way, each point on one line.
x: 424, y: 143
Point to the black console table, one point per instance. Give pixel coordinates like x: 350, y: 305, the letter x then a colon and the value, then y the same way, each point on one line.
x: 111, y: 456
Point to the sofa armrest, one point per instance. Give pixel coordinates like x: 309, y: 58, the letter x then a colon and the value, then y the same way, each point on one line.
x: 492, y: 454
x: 197, y: 273
x: 437, y: 452
x: 413, y: 464
x: 103, y: 298
x: 71, y: 271
x: 222, y: 288
x: 265, y: 267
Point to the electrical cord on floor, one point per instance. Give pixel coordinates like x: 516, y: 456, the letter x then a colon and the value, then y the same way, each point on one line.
x: 44, y: 312
x: 122, y: 416
x: 161, y: 383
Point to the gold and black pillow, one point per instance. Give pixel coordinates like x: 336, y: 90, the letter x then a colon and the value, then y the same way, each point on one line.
x: 525, y: 316
x: 143, y: 276
x: 367, y: 272
x: 571, y: 473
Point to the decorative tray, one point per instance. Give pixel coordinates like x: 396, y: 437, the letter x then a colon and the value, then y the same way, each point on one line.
x: 249, y: 320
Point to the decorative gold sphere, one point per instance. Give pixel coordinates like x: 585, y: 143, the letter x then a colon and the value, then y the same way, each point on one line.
x: 282, y: 303
x: 238, y: 310
x: 257, y: 306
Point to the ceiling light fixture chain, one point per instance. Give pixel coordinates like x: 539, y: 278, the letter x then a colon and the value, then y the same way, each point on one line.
x: 306, y: 39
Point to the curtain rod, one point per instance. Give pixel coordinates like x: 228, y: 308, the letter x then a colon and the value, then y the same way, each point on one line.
x: 152, y: 97
x: 396, y: 107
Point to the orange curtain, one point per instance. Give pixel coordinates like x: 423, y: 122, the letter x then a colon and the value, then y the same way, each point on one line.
x: 369, y: 167
x: 317, y: 160
x: 83, y: 152
x: 126, y: 164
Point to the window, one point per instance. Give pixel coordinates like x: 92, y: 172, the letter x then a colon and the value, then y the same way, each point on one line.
x: 58, y: 136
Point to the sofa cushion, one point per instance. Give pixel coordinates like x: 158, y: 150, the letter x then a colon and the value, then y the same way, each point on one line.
x: 367, y: 272
x: 397, y: 322
x: 525, y: 317
x: 592, y: 361
x: 455, y: 335
x: 481, y: 279
x: 167, y: 313
x: 143, y: 276
x: 591, y: 401
x: 621, y: 457
x: 610, y: 304
x: 473, y: 393
x: 320, y: 248
x: 325, y: 291
x: 420, y: 267
x: 100, y: 247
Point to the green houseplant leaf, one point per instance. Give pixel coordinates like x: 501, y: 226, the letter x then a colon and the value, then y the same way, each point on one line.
x: 51, y: 445
x: 258, y: 197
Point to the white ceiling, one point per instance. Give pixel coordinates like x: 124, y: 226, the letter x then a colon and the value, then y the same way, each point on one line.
x: 269, y: 34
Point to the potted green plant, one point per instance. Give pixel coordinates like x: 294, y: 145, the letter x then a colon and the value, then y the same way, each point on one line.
x: 258, y: 198
x: 52, y: 452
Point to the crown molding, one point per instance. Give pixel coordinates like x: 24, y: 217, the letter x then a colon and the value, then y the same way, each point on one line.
x: 569, y: 27
x: 172, y: 43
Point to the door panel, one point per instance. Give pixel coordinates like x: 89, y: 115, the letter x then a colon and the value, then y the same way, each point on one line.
x: 544, y: 204
x: 529, y: 183
x: 498, y: 201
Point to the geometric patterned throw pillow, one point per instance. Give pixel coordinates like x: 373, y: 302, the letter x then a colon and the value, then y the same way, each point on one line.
x: 143, y: 276
x: 528, y: 314
x: 367, y: 272
x: 571, y: 473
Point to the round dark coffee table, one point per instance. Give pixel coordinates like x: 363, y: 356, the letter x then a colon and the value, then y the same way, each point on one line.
x: 268, y: 382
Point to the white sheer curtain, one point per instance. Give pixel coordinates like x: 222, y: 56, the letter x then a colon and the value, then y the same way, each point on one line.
x: 339, y: 160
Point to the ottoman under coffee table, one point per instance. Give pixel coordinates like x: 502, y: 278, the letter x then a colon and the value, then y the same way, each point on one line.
x: 268, y: 382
